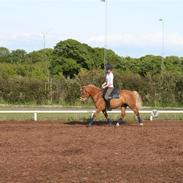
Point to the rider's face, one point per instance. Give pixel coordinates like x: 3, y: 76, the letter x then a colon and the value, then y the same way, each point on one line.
x: 108, y: 71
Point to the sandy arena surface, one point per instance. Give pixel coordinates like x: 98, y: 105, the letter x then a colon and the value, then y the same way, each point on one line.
x: 53, y: 152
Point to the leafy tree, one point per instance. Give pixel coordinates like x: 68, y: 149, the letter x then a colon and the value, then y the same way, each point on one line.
x: 75, y: 50
x: 97, y: 55
x: 128, y: 64
x: 70, y: 67
x: 174, y: 64
x: 7, y: 69
x: 149, y: 64
x: 43, y: 55
x: 4, y: 51
x: 17, y: 56
x: 71, y: 53
x: 179, y: 90
x: 25, y: 77
x: 113, y: 58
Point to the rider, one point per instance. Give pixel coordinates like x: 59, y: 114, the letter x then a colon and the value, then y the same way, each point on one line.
x: 108, y: 85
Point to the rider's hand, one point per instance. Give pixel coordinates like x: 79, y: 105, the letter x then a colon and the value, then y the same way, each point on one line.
x: 103, y: 85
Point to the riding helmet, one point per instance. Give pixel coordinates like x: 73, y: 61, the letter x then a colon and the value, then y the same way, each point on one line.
x: 108, y: 67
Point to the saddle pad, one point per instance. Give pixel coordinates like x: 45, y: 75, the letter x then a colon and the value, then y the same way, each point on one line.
x: 115, y: 93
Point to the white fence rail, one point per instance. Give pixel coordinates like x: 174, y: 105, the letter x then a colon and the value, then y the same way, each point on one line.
x: 152, y: 113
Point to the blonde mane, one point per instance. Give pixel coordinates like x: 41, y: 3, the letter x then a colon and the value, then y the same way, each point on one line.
x: 93, y: 86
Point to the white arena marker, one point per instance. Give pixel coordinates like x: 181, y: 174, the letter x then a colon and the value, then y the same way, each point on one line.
x: 92, y: 114
x: 35, y: 116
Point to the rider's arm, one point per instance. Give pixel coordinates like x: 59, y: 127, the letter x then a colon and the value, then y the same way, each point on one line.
x: 107, y: 85
x: 110, y: 80
x: 104, y: 84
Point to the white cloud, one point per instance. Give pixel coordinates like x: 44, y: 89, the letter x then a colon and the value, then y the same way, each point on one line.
x: 144, y: 40
x: 125, y: 43
x: 27, y: 41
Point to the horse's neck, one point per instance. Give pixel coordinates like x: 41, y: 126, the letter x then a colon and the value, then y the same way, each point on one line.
x: 95, y: 94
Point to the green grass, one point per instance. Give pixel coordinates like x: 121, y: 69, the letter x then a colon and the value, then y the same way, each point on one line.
x: 82, y: 117
x: 16, y: 117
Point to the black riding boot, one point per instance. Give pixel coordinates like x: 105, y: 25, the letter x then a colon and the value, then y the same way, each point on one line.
x: 108, y: 105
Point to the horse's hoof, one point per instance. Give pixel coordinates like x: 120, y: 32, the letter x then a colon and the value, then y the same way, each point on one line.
x: 89, y: 125
x: 109, y: 122
x: 117, y: 124
x: 120, y: 122
x: 141, y: 124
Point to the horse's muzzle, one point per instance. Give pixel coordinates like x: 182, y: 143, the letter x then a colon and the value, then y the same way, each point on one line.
x: 83, y: 99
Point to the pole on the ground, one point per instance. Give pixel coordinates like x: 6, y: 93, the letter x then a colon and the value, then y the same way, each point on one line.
x: 35, y: 116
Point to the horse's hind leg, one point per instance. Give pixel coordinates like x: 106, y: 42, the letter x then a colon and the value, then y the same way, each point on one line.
x: 123, y: 113
x: 106, y: 116
x: 136, y: 111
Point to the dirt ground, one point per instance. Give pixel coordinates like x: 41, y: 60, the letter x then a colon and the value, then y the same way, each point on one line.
x: 53, y: 152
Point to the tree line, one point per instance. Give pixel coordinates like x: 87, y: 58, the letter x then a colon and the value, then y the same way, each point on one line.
x: 55, y: 75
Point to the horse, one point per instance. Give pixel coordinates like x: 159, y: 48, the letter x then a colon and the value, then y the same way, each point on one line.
x: 127, y: 98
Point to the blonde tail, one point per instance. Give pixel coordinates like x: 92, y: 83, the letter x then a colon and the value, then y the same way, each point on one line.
x: 138, y: 100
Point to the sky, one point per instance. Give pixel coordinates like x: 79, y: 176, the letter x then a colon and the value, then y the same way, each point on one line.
x: 134, y: 28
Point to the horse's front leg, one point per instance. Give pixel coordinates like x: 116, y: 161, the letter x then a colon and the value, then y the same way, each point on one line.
x: 106, y: 116
x: 121, y: 120
x: 93, y: 117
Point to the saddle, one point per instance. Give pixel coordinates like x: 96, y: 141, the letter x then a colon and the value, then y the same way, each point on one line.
x: 115, y: 93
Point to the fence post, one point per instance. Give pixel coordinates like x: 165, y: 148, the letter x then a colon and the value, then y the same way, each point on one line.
x: 151, y: 117
x: 35, y: 116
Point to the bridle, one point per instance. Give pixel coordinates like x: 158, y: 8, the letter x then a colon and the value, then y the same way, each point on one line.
x: 84, y: 94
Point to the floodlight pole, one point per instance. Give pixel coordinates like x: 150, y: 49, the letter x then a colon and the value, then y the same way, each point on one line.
x: 44, y: 40
x: 50, y: 80
x: 163, y: 43
x: 106, y: 33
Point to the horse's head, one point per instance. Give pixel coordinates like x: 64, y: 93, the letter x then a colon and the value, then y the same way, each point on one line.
x: 84, y: 93
x: 87, y: 91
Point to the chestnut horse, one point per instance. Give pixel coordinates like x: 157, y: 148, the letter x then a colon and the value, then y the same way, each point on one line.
x: 127, y: 98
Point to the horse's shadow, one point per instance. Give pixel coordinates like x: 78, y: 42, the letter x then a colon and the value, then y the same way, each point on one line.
x: 95, y: 123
